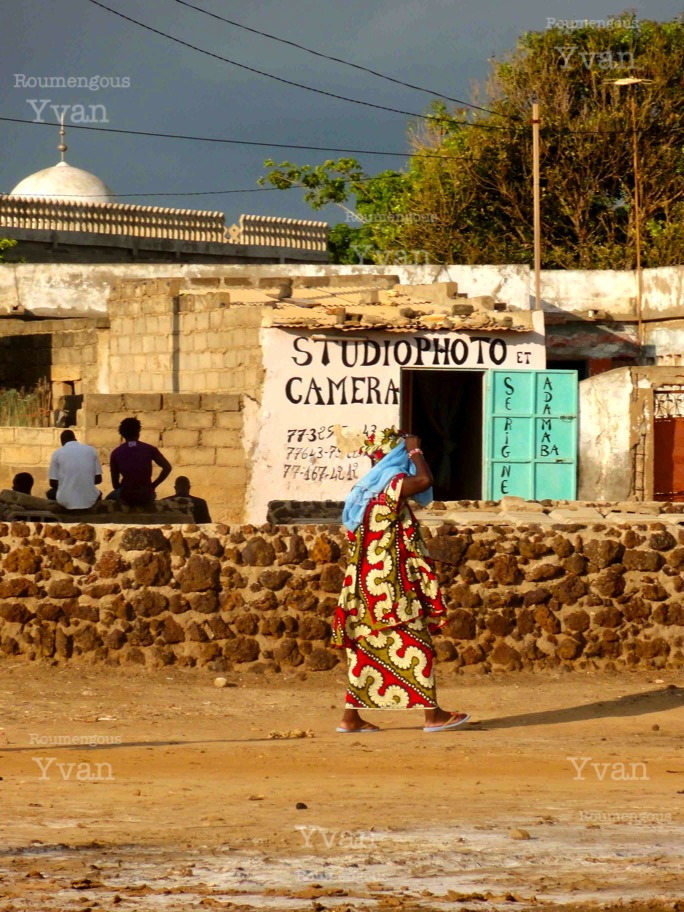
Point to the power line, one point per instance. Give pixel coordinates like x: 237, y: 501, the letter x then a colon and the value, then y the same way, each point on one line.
x: 298, y: 85
x: 348, y: 63
x: 237, y: 142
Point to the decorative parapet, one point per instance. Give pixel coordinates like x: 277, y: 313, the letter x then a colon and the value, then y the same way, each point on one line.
x: 270, y: 231
x: 123, y: 219
x: 131, y: 220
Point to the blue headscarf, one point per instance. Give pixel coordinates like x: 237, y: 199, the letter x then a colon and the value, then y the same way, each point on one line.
x: 373, y: 483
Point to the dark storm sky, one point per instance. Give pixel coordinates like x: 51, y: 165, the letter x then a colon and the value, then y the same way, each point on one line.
x: 444, y: 45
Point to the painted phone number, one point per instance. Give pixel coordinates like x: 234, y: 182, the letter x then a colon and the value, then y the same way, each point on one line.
x: 321, y: 473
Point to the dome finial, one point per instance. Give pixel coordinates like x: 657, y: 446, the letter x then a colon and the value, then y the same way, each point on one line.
x: 62, y: 147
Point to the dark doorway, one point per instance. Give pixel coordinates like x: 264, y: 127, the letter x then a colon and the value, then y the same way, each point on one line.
x: 582, y: 367
x: 444, y: 408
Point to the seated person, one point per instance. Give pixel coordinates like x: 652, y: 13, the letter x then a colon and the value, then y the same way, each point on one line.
x: 74, y: 472
x: 200, y: 509
x: 22, y: 483
x: 131, y: 467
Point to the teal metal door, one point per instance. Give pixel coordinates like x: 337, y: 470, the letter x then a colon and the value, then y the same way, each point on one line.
x: 530, y: 434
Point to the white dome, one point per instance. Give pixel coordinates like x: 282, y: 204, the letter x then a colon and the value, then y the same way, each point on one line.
x: 64, y: 182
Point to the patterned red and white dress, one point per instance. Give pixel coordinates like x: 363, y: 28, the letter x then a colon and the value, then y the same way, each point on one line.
x: 389, y: 605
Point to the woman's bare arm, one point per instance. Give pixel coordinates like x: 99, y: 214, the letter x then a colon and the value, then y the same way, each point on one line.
x: 422, y: 480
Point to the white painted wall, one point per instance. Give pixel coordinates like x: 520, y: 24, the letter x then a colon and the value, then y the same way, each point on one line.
x: 604, y: 435
x: 66, y: 289
x: 663, y: 290
x: 312, y: 384
x: 575, y: 290
x: 63, y: 289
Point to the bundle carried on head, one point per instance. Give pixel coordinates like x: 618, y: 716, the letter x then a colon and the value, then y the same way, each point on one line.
x: 355, y: 441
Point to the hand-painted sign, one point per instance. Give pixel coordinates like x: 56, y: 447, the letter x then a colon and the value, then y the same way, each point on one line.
x: 315, y: 381
x: 531, y: 434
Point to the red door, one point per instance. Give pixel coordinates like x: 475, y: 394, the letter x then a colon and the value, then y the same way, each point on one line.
x: 668, y: 459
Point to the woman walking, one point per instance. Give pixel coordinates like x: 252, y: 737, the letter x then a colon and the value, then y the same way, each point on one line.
x: 390, y: 601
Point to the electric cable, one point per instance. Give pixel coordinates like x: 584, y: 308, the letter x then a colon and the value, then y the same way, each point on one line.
x: 355, y: 66
x: 298, y: 85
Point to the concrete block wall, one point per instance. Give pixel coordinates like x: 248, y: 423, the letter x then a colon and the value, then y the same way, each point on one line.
x: 60, y: 351
x: 27, y: 449
x: 169, y: 335
x: 24, y: 360
x: 200, y: 435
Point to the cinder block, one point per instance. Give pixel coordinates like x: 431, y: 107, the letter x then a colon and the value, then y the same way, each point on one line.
x: 95, y: 403
x: 220, y: 437
x: 65, y: 372
x: 199, y: 456
x: 230, y: 420
x: 238, y: 282
x: 27, y: 436
x: 142, y: 402
x: 195, y: 420
x: 181, y: 401
x: 102, y: 438
x: 24, y: 455
x: 180, y: 438
x: 6, y: 435
x: 221, y: 402
x: 230, y: 455
x: 111, y: 420
x: 208, y: 282
x: 162, y: 420
x: 254, y: 378
x: 226, y: 476
x: 202, y: 321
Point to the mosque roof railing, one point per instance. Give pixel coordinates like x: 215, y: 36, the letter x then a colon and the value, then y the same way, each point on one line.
x: 132, y: 220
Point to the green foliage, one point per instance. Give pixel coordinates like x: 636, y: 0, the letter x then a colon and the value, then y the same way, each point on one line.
x: 6, y: 244
x: 466, y: 193
x: 26, y: 408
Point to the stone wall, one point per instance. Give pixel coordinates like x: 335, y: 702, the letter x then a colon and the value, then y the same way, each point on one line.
x: 167, y: 337
x: 200, y: 435
x: 578, y: 596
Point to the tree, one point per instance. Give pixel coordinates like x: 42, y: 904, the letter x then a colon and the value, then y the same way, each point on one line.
x: 6, y: 244
x: 371, y: 228
x: 466, y: 194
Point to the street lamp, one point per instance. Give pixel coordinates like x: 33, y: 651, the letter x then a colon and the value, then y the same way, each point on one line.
x: 633, y: 81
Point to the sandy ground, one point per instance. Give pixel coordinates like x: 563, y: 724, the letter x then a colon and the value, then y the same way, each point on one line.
x: 187, y: 803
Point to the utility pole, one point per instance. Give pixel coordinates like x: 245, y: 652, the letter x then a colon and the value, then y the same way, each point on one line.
x: 637, y: 227
x: 633, y: 82
x: 537, y: 225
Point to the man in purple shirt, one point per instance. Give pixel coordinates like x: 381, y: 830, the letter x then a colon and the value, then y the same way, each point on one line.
x: 131, y: 467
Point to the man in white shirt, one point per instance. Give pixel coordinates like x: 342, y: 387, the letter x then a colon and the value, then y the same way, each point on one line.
x: 74, y: 472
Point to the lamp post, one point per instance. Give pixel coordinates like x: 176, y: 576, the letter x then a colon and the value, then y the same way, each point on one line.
x: 634, y: 81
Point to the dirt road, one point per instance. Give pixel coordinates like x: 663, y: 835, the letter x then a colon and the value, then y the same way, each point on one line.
x: 566, y: 790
